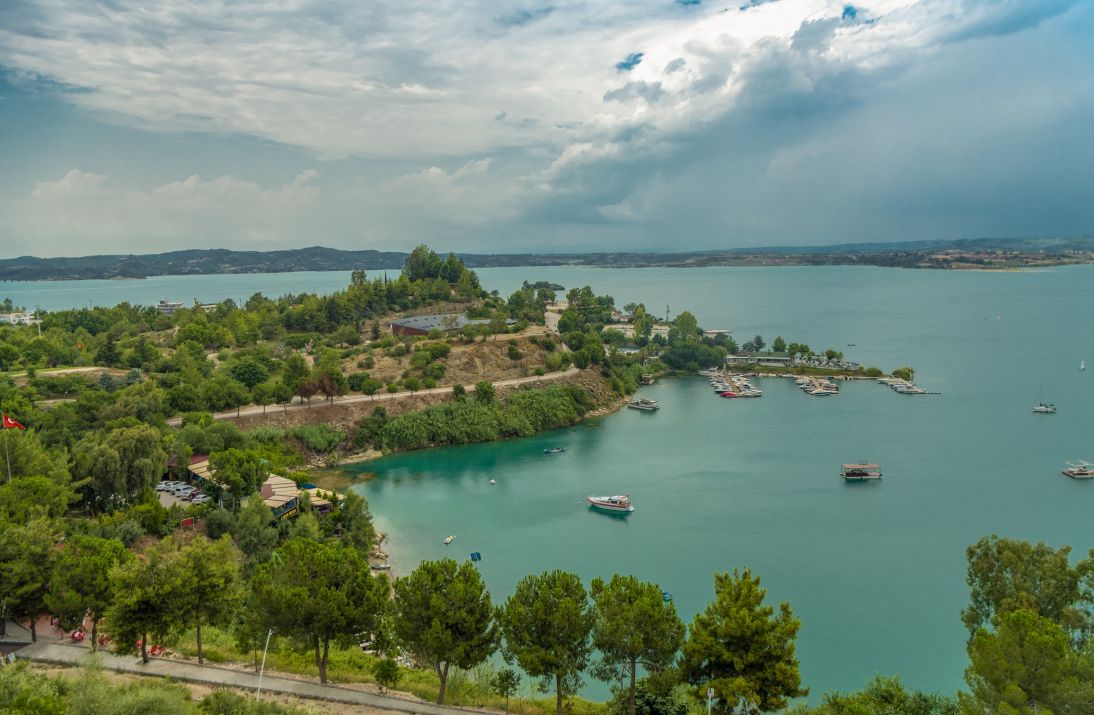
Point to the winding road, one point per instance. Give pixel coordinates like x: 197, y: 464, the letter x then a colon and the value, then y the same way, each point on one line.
x: 387, y: 396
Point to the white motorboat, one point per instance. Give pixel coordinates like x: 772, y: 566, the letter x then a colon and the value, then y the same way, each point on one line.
x: 644, y: 404
x: 1043, y: 409
x: 448, y: 539
x: 618, y: 504
x: 1079, y: 470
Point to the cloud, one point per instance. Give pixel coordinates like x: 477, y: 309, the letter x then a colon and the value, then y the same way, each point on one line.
x: 757, y: 125
x: 649, y: 91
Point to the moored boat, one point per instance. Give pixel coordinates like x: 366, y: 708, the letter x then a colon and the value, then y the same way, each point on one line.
x: 860, y: 471
x: 1079, y: 470
x: 620, y: 503
x: 644, y: 404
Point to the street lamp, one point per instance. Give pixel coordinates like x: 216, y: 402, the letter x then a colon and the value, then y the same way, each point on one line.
x: 262, y: 670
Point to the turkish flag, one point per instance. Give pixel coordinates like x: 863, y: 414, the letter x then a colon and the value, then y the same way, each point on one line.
x: 9, y: 423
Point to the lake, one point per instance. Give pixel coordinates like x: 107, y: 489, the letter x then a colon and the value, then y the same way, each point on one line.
x: 875, y: 571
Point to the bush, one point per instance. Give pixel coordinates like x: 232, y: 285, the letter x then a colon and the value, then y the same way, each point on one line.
x: 321, y: 438
x: 524, y: 412
x: 219, y: 522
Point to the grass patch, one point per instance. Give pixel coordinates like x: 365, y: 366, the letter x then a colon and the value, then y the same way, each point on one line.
x: 352, y: 665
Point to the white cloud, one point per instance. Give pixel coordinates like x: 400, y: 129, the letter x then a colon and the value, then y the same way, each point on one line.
x: 515, y: 113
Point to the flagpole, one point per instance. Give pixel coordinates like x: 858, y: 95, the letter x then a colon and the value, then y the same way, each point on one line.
x: 4, y: 427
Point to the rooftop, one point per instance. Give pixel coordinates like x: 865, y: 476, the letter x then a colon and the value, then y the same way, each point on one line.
x: 443, y: 321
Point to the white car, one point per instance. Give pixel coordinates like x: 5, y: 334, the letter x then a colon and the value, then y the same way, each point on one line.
x: 201, y: 499
x: 166, y: 486
x: 183, y: 490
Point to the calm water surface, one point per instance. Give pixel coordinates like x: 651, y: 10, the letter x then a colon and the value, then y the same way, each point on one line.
x: 875, y: 571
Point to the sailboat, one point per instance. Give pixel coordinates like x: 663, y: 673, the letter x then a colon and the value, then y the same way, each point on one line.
x: 1082, y: 366
x: 1042, y: 408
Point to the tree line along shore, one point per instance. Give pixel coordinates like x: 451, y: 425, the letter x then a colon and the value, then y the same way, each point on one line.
x: 84, y: 538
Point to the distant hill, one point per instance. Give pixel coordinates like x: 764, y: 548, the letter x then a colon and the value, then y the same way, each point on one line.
x: 965, y: 253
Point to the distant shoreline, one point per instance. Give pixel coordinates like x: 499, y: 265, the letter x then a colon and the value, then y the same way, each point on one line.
x: 967, y: 254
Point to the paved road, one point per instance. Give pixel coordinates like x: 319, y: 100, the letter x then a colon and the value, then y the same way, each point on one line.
x: 350, y: 399
x: 64, y: 654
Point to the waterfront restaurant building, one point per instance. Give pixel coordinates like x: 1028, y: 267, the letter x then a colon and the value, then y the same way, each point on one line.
x: 769, y: 359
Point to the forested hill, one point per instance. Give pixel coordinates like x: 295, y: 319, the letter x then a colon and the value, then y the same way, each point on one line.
x: 966, y: 253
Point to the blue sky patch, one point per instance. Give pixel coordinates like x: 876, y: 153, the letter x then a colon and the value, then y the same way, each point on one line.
x: 630, y: 62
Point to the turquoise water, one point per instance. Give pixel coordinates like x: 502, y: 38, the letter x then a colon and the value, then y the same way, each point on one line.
x: 875, y: 571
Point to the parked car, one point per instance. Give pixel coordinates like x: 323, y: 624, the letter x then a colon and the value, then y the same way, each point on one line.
x: 166, y: 486
x: 179, y: 486
x: 185, y: 492
x: 201, y: 499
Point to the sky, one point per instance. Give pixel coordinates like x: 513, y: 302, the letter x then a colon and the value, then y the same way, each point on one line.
x: 522, y: 126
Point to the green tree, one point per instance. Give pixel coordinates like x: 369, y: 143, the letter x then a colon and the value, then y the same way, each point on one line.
x: 386, y: 672
x: 484, y: 392
x: 351, y: 522
x: 25, y: 498
x: 122, y: 464
x: 444, y: 616
x: 742, y: 649
x: 210, y: 591
x: 1007, y: 574
x: 684, y: 327
x: 240, y: 471
x: 904, y: 373
x: 26, y: 558
x: 255, y: 533
x: 294, y: 370
x: 505, y: 683
x: 145, y: 601
x: 634, y: 626
x: 779, y: 345
x: 81, y: 580
x: 758, y: 343
x: 318, y: 593
x: 107, y: 354
x: 547, y: 624
x: 1024, y: 667
x: 250, y: 372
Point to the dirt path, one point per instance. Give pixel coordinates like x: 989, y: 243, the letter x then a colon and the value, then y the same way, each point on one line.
x: 350, y: 399
x: 63, y: 654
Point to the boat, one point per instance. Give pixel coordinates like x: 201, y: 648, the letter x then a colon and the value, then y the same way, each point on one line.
x: 860, y: 472
x: 449, y: 539
x: 819, y: 392
x: 1079, y: 470
x: 554, y: 450
x: 492, y: 482
x: 644, y: 404
x: 617, y: 504
x: 381, y: 567
x: 1082, y: 366
x: 728, y: 393
x: 1043, y: 409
